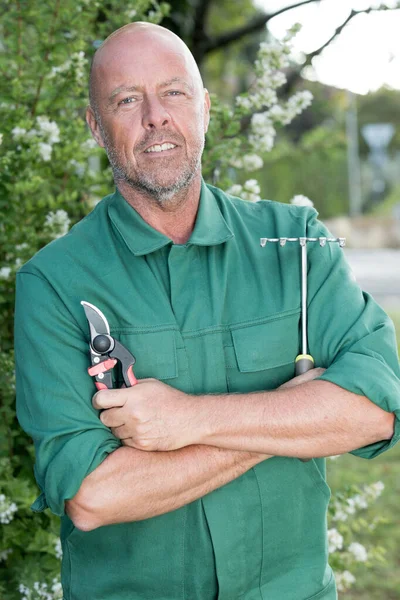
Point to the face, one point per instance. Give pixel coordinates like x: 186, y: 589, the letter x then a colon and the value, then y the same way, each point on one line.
x: 152, y: 113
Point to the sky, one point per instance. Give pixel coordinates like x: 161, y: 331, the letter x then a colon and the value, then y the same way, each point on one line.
x: 365, y: 56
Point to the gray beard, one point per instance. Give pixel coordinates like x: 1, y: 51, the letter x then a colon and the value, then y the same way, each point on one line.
x: 161, y: 195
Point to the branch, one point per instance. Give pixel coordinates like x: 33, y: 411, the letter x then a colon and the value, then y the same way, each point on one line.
x: 19, y: 40
x: 254, y: 25
x: 200, y: 16
x: 296, y: 74
x: 46, y: 58
x: 199, y: 35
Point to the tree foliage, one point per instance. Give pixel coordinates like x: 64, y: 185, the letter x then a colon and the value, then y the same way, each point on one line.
x: 51, y: 175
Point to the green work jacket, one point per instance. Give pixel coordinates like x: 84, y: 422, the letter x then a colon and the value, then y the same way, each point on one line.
x: 217, y: 314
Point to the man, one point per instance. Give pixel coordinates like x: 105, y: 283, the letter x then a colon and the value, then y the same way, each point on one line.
x: 189, y: 484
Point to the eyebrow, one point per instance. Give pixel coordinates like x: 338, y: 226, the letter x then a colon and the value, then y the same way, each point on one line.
x: 122, y: 88
x: 136, y: 88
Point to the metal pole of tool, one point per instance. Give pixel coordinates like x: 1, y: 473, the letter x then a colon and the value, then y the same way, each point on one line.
x: 304, y: 344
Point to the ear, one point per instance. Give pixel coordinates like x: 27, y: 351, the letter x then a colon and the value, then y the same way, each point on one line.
x: 207, y: 106
x: 94, y: 126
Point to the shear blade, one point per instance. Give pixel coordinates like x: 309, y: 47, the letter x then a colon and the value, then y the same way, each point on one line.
x: 97, y: 321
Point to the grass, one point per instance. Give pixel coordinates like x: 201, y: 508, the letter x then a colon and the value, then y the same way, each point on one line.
x: 380, y: 581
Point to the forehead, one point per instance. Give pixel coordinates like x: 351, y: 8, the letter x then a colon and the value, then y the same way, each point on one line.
x: 142, y: 60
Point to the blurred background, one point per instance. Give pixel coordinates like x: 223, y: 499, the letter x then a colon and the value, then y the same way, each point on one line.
x: 342, y: 152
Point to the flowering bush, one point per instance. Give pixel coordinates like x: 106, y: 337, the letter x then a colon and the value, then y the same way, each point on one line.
x: 238, y: 135
x: 346, y: 521
x: 51, y: 175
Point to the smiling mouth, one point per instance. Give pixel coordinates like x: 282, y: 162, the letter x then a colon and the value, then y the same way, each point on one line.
x: 160, y: 148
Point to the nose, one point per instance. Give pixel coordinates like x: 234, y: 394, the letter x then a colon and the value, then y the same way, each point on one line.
x: 155, y: 114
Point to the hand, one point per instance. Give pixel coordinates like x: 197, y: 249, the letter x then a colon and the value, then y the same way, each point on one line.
x: 149, y: 416
x: 303, y: 378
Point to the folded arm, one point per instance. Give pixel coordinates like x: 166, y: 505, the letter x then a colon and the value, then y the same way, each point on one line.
x: 313, y: 419
x: 131, y: 485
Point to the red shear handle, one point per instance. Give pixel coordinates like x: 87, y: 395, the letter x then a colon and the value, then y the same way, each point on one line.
x: 131, y: 376
x: 100, y: 386
x: 102, y: 367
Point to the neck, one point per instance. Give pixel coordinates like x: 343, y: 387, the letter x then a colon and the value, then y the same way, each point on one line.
x: 176, y: 218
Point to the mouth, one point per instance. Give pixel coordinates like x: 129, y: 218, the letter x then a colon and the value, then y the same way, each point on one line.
x: 160, y: 148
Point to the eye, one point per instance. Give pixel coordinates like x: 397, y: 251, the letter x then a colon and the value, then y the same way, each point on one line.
x: 129, y: 100
x: 174, y: 93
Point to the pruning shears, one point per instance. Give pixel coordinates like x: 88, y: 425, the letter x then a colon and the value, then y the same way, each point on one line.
x: 106, y: 351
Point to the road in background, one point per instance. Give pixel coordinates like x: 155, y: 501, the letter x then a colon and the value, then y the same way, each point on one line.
x: 378, y: 272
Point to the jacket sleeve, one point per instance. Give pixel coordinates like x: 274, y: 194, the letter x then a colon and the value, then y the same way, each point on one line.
x: 349, y: 334
x: 54, y: 393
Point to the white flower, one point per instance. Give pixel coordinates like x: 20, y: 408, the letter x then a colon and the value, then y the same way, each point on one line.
x: 252, y: 162
x: 351, y: 507
x: 77, y: 62
x: 56, y: 588
x: 1, y: 138
x: 49, y: 129
x: 5, y: 272
x: 41, y: 591
x: 244, y: 102
x: 249, y: 191
x: 265, y: 97
x: 344, y: 580
x: 358, y: 551
x: 235, y: 190
x: 374, y: 490
x: 296, y: 104
x: 276, y: 113
x: 260, y: 120
x: 79, y: 167
x: 89, y: 144
x: 262, y: 133
x: 300, y: 200
x: 18, y: 132
x: 58, y: 222
x: 58, y: 549
x: 252, y: 186
x: 5, y: 554
x: 335, y: 540
x: 340, y: 515
x: 277, y: 79
x: 31, y: 134
x: 7, y: 510
x: 45, y: 151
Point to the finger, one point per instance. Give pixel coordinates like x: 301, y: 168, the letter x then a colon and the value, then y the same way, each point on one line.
x: 109, y: 399
x: 112, y: 417
x: 303, y: 378
x: 122, y: 431
x: 128, y: 442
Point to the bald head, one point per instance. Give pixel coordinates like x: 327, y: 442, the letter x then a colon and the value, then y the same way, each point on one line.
x: 134, y: 39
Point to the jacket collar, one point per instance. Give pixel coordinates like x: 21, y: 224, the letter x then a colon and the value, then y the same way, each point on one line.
x: 210, y: 227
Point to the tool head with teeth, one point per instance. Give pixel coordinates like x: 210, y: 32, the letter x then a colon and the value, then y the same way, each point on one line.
x: 302, y: 241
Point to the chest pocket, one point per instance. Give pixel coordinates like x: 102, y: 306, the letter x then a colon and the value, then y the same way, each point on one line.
x: 261, y: 355
x: 159, y: 354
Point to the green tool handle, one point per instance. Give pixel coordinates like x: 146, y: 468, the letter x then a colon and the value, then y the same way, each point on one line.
x: 303, y: 363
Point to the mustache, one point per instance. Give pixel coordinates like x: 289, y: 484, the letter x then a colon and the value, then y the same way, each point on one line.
x: 158, y: 138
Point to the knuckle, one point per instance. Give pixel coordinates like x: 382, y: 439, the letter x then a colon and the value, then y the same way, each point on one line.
x: 143, y: 444
x: 103, y: 418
